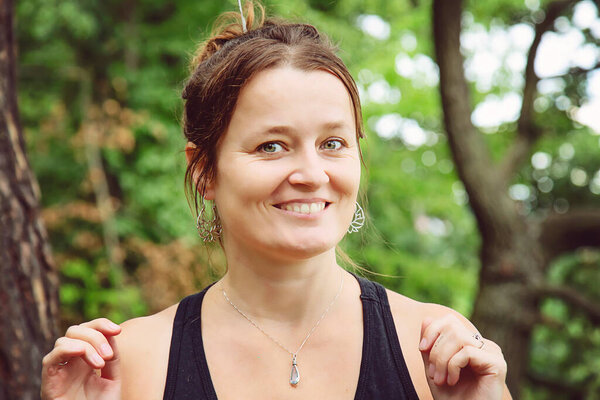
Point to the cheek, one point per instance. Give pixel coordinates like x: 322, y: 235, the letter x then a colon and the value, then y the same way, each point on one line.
x: 347, y: 177
x: 248, y: 181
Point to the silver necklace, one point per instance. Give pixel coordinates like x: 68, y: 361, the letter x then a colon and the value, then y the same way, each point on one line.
x: 295, y: 374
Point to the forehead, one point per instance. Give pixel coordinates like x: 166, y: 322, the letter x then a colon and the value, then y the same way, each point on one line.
x: 287, y: 95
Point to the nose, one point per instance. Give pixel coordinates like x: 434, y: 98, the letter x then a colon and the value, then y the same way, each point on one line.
x: 309, y: 170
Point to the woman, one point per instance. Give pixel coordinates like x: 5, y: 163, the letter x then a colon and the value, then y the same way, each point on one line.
x: 272, y: 118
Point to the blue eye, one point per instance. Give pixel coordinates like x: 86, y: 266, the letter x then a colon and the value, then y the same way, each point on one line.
x: 271, y: 147
x: 333, y: 144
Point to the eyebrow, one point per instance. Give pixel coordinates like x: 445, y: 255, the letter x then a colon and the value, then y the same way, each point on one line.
x: 332, y: 126
x: 282, y: 129
x: 328, y: 126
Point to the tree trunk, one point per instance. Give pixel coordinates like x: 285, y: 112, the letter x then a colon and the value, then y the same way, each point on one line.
x: 28, y: 282
x: 506, y: 306
x: 516, y: 251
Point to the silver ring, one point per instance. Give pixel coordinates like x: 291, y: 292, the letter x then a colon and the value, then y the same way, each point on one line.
x: 478, y: 337
x: 62, y: 364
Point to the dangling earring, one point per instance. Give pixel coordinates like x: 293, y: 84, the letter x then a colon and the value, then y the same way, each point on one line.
x: 358, y: 221
x: 209, y: 229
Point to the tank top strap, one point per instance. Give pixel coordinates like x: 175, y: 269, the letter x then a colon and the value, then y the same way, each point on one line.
x: 186, y: 366
x: 383, y: 371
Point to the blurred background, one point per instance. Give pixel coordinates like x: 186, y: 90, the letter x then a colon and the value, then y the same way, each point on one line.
x: 495, y: 213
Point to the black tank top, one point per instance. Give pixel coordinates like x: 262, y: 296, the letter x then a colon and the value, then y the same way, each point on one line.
x: 383, y: 372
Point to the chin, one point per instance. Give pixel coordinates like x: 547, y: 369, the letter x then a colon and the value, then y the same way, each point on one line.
x: 286, y: 244
x: 302, y: 248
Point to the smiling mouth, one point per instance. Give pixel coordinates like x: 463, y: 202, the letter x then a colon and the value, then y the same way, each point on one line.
x: 303, y: 208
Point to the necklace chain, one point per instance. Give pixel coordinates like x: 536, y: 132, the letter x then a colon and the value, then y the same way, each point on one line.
x: 277, y: 341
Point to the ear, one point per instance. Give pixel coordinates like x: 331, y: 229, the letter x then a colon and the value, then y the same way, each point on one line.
x: 209, y: 190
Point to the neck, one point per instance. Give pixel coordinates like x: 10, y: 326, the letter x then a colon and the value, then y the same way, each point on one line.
x: 287, y: 291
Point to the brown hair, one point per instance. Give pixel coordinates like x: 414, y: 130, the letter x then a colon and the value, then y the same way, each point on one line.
x: 227, y: 61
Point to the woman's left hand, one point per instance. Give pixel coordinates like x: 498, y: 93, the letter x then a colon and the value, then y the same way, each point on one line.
x: 459, y: 364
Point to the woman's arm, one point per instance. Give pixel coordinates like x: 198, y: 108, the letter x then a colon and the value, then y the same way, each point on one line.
x: 144, y: 345
x: 445, y: 359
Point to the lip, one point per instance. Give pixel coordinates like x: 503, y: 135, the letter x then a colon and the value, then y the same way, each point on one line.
x: 282, y: 207
x: 313, y: 200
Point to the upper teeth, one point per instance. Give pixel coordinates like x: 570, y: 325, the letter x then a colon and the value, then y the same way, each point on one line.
x: 304, y: 208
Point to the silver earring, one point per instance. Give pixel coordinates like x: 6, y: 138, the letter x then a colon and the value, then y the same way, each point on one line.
x: 209, y: 229
x: 358, y: 221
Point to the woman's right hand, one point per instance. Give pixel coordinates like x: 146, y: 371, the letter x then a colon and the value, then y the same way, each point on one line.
x: 69, y: 370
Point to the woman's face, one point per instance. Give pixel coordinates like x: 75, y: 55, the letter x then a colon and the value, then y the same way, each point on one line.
x: 288, y: 166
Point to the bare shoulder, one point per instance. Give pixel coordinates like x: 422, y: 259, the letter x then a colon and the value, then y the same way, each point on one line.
x: 408, y: 317
x: 143, y: 345
x: 435, y: 311
x: 415, y: 311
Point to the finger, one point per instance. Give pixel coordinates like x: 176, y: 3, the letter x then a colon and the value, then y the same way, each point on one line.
x: 491, y: 346
x: 112, y: 368
x: 477, y: 340
x: 459, y: 361
x: 93, y: 337
x: 104, y: 325
x: 481, y: 362
x: 448, y: 343
x: 425, y: 354
x: 430, y: 330
x: 452, y: 336
x: 424, y: 325
x: 427, y: 364
x: 66, y: 349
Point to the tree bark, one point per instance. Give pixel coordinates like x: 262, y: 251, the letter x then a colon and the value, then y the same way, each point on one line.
x: 511, y: 258
x: 28, y: 282
x: 506, y: 308
x: 515, y: 250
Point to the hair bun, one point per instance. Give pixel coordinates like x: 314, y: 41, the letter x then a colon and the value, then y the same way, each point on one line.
x: 228, y: 26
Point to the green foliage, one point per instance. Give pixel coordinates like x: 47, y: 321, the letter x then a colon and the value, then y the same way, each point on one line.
x: 94, y: 291
x: 117, y: 68
x: 568, y: 340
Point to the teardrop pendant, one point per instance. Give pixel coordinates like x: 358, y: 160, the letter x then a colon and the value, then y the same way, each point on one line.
x: 295, y: 375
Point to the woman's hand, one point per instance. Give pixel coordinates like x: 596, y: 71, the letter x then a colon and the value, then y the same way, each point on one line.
x: 69, y: 370
x: 459, y: 364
